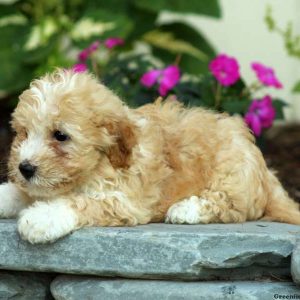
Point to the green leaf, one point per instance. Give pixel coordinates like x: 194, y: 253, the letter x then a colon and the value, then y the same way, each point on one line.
x: 143, y: 21
x: 203, y: 7
x: 10, y: 15
x: 234, y: 91
x: 208, y: 88
x: 14, y: 75
x: 96, y: 24
x: 6, y: 10
x: 167, y: 41
x: 39, y: 54
x: 189, y: 93
x: 7, y: 2
x: 41, y: 33
x: 279, y: 105
x: 296, y: 87
x: 115, y: 6
x: 235, y: 106
x: 196, y: 51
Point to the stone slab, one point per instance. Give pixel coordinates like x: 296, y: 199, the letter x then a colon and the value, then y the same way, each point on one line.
x: 192, y: 252
x: 24, y: 286
x: 78, y: 288
x: 295, y: 264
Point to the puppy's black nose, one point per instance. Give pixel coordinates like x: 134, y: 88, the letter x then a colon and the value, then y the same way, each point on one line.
x: 27, y: 169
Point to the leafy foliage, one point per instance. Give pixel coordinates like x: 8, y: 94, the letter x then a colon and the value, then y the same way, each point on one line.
x: 123, y: 75
x: 290, y: 39
x: 178, y: 38
x: 279, y: 106
x: 40, y: 35
x: 206, y: 7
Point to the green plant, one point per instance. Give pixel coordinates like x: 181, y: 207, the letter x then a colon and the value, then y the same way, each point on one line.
x: 37, y: 36
x: 290, y: 38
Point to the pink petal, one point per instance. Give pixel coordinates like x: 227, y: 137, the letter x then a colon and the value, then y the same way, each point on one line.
x: 163, y: 90
x: 78, y: 68
x: 255, y: 104
x: 225, y: 69
x: 254, y: 123
x: 248, y: 118
x: 94, y: 46
x: 256, y: 126
x: 278, y: 84
x: 149, y: 78
x: 267, y: 112
x: 266, y: 100
x: 261, y: 114
x: 83, y: 55
x: 267, y: 122
x: 257, y: 66
x: 266, y: 75
x: 264, y: 112
x: 113, y: 42
x: 171, y: 76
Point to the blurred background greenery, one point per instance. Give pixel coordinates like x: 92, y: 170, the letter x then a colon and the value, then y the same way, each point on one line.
x: 37, y: 36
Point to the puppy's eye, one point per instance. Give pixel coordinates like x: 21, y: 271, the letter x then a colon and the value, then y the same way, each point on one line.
x: 61, y: 137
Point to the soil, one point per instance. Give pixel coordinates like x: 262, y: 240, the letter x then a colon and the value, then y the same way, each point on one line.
x: 281, y: 151
x: 5, y: 140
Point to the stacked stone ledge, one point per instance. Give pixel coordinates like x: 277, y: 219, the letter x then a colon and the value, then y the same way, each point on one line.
x: 155, y: 261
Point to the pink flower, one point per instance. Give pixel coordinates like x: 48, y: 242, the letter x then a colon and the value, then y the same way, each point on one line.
x: 113, y: 42
x: 85, y: 53
x: 266, y: 75
x: 261, y: 114
x: 166, y: 78
x: 94, y: 46
x: 225, y: 69
x: 78, y: 68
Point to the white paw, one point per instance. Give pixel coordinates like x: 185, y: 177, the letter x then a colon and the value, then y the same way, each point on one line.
x: 10, y: 201
x: 193, y: 210
x: 46, y: 222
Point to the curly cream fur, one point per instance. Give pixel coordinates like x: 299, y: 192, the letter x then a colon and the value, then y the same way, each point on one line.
x: 126, y: 166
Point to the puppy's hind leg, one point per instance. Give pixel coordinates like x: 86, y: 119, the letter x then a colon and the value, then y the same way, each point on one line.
x: 193, y: 210
x: 10, y: 200
x: 210, y: 207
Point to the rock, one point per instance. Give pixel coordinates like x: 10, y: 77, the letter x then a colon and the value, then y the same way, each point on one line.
x: 191, y: 252
x: 78, y: 288
x: 295, y: 264
x: 24, y: 286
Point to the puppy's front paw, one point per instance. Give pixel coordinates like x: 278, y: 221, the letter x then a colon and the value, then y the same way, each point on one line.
x: 46, y: 222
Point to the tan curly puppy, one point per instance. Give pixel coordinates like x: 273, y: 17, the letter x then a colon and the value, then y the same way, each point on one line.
x: 81, y: 157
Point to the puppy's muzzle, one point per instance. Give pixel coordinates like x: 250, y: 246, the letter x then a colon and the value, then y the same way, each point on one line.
x: 27, y: 169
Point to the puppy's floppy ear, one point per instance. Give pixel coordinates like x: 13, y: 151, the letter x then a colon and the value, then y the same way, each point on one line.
x: 123, y: 132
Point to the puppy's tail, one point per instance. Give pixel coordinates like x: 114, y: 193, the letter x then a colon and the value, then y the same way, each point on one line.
x: 280, y: 207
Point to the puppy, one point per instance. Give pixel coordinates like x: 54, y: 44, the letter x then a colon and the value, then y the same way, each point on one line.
x: 81, y: 157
